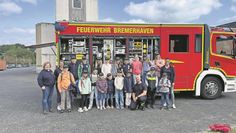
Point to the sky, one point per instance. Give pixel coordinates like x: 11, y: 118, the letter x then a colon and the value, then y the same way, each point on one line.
x: 19, y: 17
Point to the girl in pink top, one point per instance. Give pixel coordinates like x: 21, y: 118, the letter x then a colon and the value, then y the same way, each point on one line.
x: 159, y: 63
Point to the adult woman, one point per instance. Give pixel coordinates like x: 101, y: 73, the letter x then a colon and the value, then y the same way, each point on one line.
x: 106, y: 67
x: 46, y: 81
x: 159, y: 63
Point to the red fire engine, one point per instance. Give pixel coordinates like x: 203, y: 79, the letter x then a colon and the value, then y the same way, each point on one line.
x: 203, y: 57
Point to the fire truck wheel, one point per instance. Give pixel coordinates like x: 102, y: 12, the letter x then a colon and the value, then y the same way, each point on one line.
x: 211, y: 88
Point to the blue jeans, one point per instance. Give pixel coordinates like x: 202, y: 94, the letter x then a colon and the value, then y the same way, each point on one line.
x: 47, y: 98
x: 101, y: 99
x: 165, y: 99
x: 172, y: 95
x: 144, y: 76
x: 109, y: 96
x: 101, y: 96
x: 119, y: 99
x: 94, y: 92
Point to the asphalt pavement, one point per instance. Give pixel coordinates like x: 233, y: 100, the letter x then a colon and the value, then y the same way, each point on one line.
x: 21, y: 112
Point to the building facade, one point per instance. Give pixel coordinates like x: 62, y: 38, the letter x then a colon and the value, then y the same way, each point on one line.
x: 45, y: 33
x: 76, y: 10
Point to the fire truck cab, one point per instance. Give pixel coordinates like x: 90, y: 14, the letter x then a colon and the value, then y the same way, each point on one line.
x: 203, y: 57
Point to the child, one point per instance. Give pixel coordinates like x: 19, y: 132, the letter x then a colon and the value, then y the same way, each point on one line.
x: 101, y: 86
x: 152, y: 83
x: 165, y: 85
x: 85, y: 90
x: 110, y: 90
x: 94, y: 78
x: 126, y: 67
x: 128, y: 85
x: 64, y: 81
x: 119, y: 84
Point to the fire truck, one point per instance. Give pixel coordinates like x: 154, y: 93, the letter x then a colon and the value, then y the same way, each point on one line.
x: 203, y: 57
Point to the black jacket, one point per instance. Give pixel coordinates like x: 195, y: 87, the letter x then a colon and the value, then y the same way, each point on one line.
x: 57, y: 72
x: 111, y: 86
x: 170, y: 73
x: 46, y: 78
x: 73, y: 68
x: 128, y: 84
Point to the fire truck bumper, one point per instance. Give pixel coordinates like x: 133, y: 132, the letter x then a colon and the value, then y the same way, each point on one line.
x: 230, y: 85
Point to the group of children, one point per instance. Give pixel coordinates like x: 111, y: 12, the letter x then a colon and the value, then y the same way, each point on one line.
x: 106, y: 87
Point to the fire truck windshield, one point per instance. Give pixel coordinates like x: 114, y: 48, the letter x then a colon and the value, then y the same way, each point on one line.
x: 225, y: 45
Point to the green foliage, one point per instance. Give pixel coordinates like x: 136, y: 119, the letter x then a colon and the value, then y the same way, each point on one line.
x: 17, y: 54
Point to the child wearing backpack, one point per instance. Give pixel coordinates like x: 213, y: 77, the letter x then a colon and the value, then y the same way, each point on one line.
x: 101, y: 86
x: 65, y: 80
x: 85, y: 90
x: 110, y: 91
x: 119, y: 84
x: 165, y: 85
x: 94, y: 91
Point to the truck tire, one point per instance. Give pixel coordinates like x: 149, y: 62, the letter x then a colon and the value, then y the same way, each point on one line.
x: 211, y: 88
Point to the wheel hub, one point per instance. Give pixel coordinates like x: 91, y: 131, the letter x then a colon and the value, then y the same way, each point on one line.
x: 211, y: 88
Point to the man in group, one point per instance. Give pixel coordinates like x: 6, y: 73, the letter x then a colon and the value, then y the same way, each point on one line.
x: 84, y: 66
x: 139, y: 95
x: 126, y: 67
x: 170, y: 71
x: 136, y: 68
x: 73, y: 67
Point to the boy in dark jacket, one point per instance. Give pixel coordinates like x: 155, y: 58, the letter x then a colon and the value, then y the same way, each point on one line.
x: 110, y: 91
x: 128, y: 85
x: 152, y: 82
x: 126, y: 67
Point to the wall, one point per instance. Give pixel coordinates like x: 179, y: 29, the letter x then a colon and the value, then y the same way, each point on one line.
x: 62, y: 11
x: 45, y: 33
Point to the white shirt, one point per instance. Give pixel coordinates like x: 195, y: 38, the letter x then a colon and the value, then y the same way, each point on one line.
x: 119, y: 83
x: 106, y: 68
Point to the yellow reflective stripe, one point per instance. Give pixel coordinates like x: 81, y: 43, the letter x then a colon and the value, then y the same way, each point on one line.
x: 151, y: 78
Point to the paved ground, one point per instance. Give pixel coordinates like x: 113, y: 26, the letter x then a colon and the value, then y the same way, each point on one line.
x: 20, y: 111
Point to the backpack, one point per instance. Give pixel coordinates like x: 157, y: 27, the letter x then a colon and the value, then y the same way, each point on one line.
x: 225, y: 128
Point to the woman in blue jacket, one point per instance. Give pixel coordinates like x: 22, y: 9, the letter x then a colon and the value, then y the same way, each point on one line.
x: 46, y: 81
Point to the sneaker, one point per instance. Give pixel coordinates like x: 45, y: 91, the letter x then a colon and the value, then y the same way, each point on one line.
x: 173, y: 106
x: 61, y: 111
x: 58, y: 108
x: 164, y: 105
x: 112, y: 107
x: 69, y: 110
x: 108, y: 107
x: 85, y: 109
x: 80, y: 110
x: 45, y: 112
x: 50, y: 110
x: 98, y: 107
x: 103, y: 107
x: 89, y: 108
x: 161, y: 108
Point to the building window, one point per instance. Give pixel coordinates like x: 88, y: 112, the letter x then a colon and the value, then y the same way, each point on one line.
x: 198, y: 43
x: 179, y: 43
x: 77, y: 4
